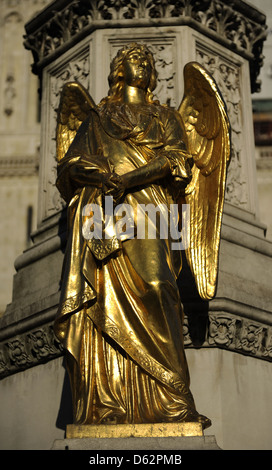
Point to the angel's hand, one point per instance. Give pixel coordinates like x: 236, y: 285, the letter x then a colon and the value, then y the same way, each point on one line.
x: 84, y: 175
x: 109, y: 185
x: 118, y: 188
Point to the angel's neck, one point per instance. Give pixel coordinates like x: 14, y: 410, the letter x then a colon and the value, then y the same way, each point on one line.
x: 134, y: 95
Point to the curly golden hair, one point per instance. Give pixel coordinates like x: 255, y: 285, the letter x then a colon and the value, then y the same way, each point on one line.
x: 116, y: 76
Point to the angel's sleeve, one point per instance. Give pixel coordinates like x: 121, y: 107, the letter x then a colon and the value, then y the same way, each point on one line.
x: 82, y: 153
x: 176, y: 151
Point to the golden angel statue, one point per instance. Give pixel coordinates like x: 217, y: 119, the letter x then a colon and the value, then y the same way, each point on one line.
x: 120, y: 317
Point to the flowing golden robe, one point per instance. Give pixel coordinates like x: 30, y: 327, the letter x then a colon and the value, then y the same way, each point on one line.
x: 120, y: 317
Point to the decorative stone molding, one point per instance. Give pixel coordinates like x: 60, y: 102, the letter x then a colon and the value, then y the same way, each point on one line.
x: 9, y: 95
x: 28, y: 349
x: 19, y: 166
x: 235, y: 333
x: 220, y: 330
x: 63, y: 23
x: 228, y: 77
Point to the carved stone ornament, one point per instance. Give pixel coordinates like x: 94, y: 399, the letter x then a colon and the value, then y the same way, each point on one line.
x: 28, y: 349
x: 9, y: 95
x: 220, y: 330
x: 227, y: 75
x: 234, y: 24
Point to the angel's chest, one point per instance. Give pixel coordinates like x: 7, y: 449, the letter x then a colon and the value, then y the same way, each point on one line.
x: 136, y: 149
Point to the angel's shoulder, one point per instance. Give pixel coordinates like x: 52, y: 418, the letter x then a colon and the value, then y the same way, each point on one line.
x: 166, y: 111
x: 169, y: 116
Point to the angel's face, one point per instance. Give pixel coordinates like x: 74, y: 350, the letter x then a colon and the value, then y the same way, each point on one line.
x: 137, y: 69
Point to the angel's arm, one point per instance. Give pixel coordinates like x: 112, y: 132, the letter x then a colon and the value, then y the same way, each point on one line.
x: 175, y: 149
x: 82, y: 166
x: 171, y: 159
x: 83, y: 174
x: 153, y: 171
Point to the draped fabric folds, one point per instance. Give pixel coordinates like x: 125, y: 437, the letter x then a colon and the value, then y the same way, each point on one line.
x: 120, y: 316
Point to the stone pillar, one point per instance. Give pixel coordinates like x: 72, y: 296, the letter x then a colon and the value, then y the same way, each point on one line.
x: 20, y: 139
x: 230, y: 336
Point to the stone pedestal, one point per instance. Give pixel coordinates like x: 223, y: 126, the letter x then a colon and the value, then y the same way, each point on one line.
x: 72, y: 42
x: 125, y: 431
x: 123, y: 437
x: 138, y: 443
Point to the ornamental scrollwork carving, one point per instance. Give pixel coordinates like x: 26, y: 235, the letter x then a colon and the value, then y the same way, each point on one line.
x: 186, y: 333
x: 17, y: 353
x: 222, y: 331
x: 42, y: 343
x: 268, y: 343
x: 28, y: 349
x: 251, y: 338
x: 227, y: 76
x: 240, y: 335
x: 165, y: 90
x: 240, y: 30
x: 9, y: 94
x: 4, y: 366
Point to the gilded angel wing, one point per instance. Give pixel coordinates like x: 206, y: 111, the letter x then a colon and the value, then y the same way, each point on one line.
x: 208, y: 133
x: 74, y: 107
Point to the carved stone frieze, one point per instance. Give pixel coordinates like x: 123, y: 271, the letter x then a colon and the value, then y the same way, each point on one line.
x: 28, y: 349
x: 227, y: 76
x: 251, y: 338
x: 234, y: 24
x: 240, y: 334
x: 19, y: 166
x: 9, y: 94
x: 267, y: 337
x: 218, y: 330
x: 222, y: 331
x: 165, y: 65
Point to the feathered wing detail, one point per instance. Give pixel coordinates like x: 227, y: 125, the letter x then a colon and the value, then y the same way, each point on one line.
x: 74, y: 107
x: 208, y: 138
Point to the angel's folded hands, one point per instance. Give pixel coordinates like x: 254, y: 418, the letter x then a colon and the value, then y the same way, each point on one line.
x: 83, y: 176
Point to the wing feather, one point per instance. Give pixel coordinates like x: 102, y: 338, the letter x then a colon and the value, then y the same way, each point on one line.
x: 74, y: 108
x: 208, y: 133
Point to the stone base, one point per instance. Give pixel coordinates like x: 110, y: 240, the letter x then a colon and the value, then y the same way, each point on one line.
x: 138, y: 443
x: 143, y: 430
x: 153, y: 436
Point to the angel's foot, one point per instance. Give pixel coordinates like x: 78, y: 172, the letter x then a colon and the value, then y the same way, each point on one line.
x: 110, y: 420
x: 206, y: 422
x: 195, y: 417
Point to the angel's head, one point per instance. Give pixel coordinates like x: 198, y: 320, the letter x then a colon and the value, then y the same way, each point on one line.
x: 133, y: 65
